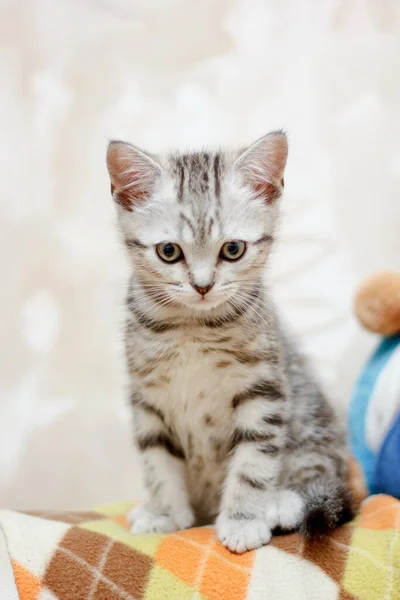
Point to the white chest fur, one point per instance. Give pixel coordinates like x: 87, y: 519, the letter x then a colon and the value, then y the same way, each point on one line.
x: 193, y: 386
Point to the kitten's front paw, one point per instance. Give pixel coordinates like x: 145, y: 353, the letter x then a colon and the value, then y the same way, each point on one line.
x: 241, y: 535
x: 285, y: 510
x: 145, y: 520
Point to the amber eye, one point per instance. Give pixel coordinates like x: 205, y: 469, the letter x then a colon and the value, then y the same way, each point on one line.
x: 232, y: 250
x: 169, y: 252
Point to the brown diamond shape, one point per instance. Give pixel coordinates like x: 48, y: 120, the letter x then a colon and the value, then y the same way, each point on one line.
x: 66, y: 578
x: 86, y: 562
x: 128, y: 569
x: 106, y: 592
x: 85, y: 544
x: 290, y: 543
x: 327, y: 555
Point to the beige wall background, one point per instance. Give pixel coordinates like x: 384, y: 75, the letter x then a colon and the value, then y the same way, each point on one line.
x: 163, y: 73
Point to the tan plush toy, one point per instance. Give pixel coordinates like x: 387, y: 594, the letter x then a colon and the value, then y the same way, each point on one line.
x: 377, y: 303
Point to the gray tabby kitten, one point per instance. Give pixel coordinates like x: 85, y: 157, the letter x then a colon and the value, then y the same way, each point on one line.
x: 229, y: 423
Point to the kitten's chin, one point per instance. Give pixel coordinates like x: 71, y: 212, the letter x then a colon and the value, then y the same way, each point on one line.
x: 203, y: 305
x: 202, y: 308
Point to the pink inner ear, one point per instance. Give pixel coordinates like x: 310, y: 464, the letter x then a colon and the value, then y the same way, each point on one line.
x: 267, y: 191
x: 132, y: 173
x: 263, y: 164
x: 133, y: 191
x: 259, y: 181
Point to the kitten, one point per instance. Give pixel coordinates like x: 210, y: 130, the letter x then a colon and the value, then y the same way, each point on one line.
x: 229, y: 423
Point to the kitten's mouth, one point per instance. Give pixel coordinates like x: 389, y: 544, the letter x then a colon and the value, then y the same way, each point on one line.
x: 206, y: 303
x: 203, y: 303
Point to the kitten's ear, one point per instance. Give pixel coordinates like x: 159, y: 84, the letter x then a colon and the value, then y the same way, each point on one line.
x: 133, y: 174
x: 262, y: 165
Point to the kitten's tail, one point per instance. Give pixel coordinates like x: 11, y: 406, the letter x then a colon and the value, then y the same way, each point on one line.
x: 328, y: 504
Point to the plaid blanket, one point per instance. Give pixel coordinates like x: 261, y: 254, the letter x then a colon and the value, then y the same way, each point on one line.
x: 92, y: 556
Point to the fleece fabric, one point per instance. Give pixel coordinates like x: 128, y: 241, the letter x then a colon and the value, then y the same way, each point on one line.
x: 93, y: 556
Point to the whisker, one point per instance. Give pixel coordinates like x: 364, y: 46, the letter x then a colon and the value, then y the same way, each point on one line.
x: 258, y: 313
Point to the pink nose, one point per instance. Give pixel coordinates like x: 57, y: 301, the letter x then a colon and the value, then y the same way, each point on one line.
x: 202, y: 289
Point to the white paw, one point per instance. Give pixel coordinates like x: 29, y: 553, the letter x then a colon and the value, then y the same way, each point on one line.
x: 184, y: 517
x: 241, y: 535
x: 144, y: 520
x: 285, y: 510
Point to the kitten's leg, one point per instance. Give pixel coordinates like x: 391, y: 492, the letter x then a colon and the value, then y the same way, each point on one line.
x: 167, y: 508
x: 251, y: 482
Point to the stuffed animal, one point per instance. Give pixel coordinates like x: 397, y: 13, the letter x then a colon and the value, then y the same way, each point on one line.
x: 374, y: 416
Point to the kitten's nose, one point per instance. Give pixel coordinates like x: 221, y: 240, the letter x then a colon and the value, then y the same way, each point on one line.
x: 202, y: 289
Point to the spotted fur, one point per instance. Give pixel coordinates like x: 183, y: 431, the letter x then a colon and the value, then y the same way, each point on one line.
x: 228, y: 420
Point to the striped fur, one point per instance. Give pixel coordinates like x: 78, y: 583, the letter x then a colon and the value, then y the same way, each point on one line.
x: 228, y: 420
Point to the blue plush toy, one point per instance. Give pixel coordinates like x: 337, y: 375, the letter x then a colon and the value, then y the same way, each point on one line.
x: 374, y: 416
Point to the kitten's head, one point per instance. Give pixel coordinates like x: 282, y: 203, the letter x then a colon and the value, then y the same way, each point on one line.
x: 198, y: 226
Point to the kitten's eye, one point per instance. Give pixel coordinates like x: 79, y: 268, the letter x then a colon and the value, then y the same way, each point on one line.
x: 232, y: 250
x: 169, y: 252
